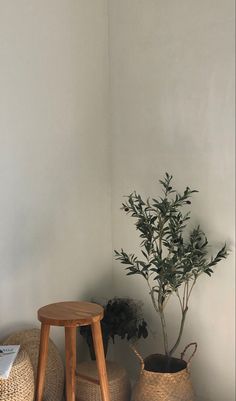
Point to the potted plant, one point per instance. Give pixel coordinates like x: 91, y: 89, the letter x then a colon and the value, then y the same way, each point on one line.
x: 172, y: 261
x: 123, y: 318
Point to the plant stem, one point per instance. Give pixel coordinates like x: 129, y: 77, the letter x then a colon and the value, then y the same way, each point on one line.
x: 184, y: 295
x: 153, y: 300
x: 160, y: 235
x: 164, y: 331
x: 194, y: 282
x: 184, y: 308
x: 184, y: 312
x: 159, y: 309
x: 181, y: 305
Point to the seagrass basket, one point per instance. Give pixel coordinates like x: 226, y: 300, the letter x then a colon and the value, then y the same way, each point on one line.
x: 20, y: 384
x: 54, y: 379
x: 173, y: 385
x: 87, y: 383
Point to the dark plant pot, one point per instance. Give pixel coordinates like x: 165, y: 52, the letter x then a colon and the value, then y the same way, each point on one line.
x: 164, y: 364
x: 91, y: 347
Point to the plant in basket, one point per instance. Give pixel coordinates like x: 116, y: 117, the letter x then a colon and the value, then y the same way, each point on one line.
x: 123, y: 318
x: 172, y: 261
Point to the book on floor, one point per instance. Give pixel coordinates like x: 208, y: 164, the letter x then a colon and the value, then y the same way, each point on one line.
x: 8, y: 355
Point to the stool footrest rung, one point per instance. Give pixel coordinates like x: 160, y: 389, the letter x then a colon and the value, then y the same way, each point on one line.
x: 88, y: 378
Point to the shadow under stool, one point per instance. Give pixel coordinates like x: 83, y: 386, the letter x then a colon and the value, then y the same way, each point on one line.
x: 71, y: 315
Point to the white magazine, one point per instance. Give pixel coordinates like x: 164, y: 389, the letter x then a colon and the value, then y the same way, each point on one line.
x: 8, y: 355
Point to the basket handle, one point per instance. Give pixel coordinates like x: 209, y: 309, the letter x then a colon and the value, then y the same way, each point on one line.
x: 193, y: 353
x: 132, y: 346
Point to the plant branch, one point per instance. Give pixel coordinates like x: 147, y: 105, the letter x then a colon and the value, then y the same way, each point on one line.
x: 181, y: 305
x: 184, y: 312
x: 159, y: 309
x: 153, y: 297
x: 166, y: 300
x: 164, y: 330
x: 184, y: 295
x: 191, y: 288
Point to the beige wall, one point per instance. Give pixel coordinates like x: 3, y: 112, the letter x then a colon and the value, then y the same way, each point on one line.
x: 55, y: 241
x: 172, y: 81
x: 171, y: 107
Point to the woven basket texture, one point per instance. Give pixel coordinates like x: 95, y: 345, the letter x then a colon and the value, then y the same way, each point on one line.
x: 20, y: 384
x: 54, y: 381
x: 154, y: 386
x: 119, y: 384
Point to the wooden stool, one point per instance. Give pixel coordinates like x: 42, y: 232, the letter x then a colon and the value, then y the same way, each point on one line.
x: 70, y: 315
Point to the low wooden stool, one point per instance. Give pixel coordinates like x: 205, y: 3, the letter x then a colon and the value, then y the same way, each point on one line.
x: 70, y: 315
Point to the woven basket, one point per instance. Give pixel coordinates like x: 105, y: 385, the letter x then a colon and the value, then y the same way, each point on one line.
x: 87, y: 382
x: 20, y: 384
x: 156, y: 386
x: 54, y: 380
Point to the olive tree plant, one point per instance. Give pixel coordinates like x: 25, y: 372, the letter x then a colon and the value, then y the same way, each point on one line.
x: 173, y: 256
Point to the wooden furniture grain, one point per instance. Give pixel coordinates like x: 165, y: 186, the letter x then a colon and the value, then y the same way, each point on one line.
x: 71, y: 315
x: 87, y: 382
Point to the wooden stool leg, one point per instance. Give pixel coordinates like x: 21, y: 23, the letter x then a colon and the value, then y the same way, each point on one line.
x: 42, y: 361
x: 100, y: 359
x: 70, y: 345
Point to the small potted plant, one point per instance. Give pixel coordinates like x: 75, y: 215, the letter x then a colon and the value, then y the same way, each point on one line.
x: 172, y: 262
x: 123, y: 318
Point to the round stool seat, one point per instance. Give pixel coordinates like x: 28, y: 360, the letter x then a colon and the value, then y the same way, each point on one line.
x: 70, y: 313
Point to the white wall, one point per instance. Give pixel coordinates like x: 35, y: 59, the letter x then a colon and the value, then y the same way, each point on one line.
x: 55, y: 234
x: 172, y: 82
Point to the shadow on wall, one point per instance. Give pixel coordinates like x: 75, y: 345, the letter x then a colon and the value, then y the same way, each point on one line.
x: 99, y: 290
x: 29, y: 299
